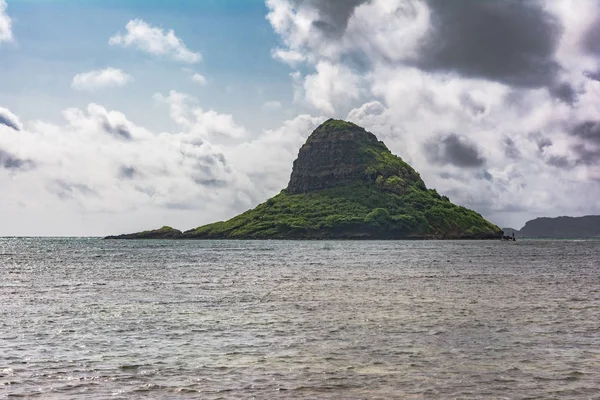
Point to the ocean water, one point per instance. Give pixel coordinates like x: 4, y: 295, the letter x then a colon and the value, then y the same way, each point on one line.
x: 94, y: 319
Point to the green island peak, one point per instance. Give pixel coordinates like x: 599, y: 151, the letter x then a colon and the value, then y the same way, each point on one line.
x: 346, y: 184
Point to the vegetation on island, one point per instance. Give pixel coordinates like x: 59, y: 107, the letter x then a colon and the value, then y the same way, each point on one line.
x: 361, y: 210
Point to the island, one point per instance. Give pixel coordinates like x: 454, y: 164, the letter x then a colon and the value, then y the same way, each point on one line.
x: 560, y: 228
x: 346, y: 184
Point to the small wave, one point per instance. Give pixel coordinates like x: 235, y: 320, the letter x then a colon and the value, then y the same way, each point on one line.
x: 150, y: 387
x: 130, y: 367
x: 574, y: 376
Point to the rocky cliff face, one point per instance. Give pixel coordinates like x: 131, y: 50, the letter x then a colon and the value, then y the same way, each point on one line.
x: 334, y: 155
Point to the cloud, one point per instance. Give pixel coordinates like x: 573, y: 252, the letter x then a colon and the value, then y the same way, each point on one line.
x: 101, y: 122
x: 9, y: 119
x: 331, y: 84
x: 127, y: 172
x: 590, y: 38
x: 198, y: 78
x: 456, y: 150
x: 120, y: 131
x: 201, y: 125
x: 5, y: 24
x: 99, y: 79
x: 333, y: 16
x: 589, y: 130
x: 509, y: 41
x: 11, y: 162
x: 511, y: 150
x: 70, y: 190
x: 290, y: 57
x: 155, y: 41
x: 588, y: 147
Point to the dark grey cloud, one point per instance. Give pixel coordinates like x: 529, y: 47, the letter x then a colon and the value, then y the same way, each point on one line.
x: 588, y: 130
x: 11, y: 162
x: 590, y: 38
x: 333, y: 14
x: 211, y: 182
x: 564, y: 92
x: 454, y: 149
x: 511, y: 150
x: 587, y: 156
x: 213, y: 159
x: 5, y: 120
x: 126, y: 172
x: 208, y: 170
x: 588, y: 150
x: 510, y: 41
x: 540, y: 140
x: 182, y: 206
x: 67, y: 190
x: 594, y: 75
x: 490, y: 206
x: 119, y: 130
x: 587, y: 146
x: 559, y: 162
x: 487, y: 176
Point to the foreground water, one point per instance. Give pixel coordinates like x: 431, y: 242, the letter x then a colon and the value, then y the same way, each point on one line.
x: 86, y: 318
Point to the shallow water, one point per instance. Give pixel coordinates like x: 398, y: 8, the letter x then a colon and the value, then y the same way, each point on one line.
x: 86, y: 318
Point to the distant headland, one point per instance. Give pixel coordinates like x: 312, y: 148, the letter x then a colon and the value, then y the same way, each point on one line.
x: 560, y: 228
x: 346, y: 184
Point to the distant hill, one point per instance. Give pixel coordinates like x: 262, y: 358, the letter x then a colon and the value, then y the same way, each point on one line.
x: 560, y: 227
x: 346, y: 184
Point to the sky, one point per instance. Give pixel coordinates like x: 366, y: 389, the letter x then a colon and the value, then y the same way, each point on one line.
x: 124, y: 115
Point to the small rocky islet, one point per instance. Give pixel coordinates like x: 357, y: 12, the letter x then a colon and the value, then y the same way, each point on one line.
x: 346, y: 184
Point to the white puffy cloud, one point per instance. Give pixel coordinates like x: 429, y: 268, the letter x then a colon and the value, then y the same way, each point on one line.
x: 331, y: 84
x: 199, y: 78
x: 290, y: 57
x: 199, y: 124
x: 156, y: 41
x: 5, y: 24
x: 99, y: 79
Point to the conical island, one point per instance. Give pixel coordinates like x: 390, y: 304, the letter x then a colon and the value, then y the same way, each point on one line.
x: 346, y: 184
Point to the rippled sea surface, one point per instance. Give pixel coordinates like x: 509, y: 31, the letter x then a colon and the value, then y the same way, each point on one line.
x: 94, y: 319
